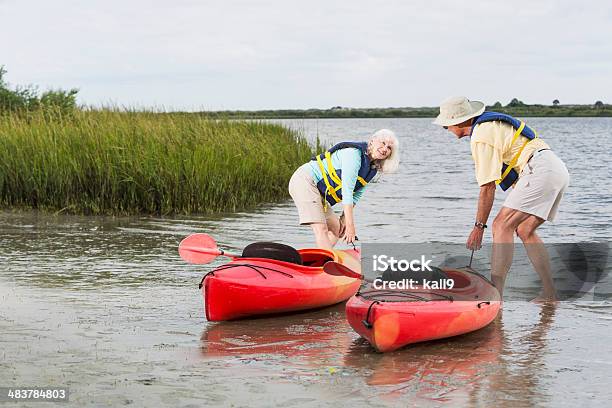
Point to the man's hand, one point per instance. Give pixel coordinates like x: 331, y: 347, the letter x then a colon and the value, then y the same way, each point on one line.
x: 474, y: 241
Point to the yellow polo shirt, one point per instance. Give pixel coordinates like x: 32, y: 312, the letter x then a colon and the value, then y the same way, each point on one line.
x: 491, y: 145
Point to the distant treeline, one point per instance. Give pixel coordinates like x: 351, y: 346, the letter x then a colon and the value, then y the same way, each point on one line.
x: 515, y: 107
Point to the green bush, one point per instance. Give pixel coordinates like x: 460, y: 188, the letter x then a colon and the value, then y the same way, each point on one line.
x: 28, y: 98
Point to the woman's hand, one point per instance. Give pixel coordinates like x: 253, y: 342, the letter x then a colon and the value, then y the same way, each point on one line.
x: 349, y: 233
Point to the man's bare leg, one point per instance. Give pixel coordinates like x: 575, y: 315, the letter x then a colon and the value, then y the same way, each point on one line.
x: 538, y: 255
x: 504, y: 226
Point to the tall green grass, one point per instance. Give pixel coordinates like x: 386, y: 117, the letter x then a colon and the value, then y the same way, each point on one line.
x: 117, y: 162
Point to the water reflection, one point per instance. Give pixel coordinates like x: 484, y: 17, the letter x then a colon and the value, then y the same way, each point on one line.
x: 491, y: 364
x: 523, y: 363
x: 314, y: 335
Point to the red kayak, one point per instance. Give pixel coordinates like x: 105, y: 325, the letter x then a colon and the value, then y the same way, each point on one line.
x: 390, y: 319
x: 248, y: 287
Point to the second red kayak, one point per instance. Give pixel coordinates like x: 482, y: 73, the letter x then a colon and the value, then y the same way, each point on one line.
x: 391, y: 319
x: 250, y: 286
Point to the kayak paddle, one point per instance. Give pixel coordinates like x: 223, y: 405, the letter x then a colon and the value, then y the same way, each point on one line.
x: 471, y: 257
x: 338, y: 269
x: 201, y: 249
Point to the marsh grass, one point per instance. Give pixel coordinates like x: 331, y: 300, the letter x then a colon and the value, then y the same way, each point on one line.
x: 118, y: 162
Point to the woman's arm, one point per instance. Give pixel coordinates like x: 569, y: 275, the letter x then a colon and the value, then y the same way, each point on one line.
x: 350, y: 162
x: 349, y: 231
x: 357, y: 195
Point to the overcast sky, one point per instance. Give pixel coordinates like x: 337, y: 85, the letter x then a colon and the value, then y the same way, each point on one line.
x: 298, y: 54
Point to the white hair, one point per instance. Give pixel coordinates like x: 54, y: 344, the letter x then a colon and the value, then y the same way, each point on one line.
x: 391, y: 163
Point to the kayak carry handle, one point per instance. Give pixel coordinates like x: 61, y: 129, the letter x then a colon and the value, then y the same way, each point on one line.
x: 366, y: 321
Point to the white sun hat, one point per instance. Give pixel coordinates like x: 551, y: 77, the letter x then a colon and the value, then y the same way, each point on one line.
x: 458, y: 109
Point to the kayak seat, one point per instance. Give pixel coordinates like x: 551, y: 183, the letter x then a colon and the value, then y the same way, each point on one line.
x: 272, y: 250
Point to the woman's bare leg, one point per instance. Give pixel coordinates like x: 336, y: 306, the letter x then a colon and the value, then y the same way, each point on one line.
x: 333, y: 229
x: 322, y: 235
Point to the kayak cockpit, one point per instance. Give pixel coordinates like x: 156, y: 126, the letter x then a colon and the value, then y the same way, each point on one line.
x: 317, y: 257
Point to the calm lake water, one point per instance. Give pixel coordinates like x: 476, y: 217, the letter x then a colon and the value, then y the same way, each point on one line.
x: 106, y: 307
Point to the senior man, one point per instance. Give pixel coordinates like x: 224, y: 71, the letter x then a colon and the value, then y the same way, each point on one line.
x: 509, y: 153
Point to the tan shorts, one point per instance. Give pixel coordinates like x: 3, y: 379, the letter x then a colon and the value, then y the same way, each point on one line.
x: 540, y: 186
x: 307, y: 197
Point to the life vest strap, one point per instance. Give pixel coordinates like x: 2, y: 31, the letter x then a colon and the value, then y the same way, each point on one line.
x: 332, y: 170
x: 512, y: 163
x: 330, y: 189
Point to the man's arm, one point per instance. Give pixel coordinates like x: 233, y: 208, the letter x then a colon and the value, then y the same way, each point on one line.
x: 487, y: 162
x: 485, y: 203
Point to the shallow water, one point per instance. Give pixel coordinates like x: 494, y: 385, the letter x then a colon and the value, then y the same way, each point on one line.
x: 106, y: 306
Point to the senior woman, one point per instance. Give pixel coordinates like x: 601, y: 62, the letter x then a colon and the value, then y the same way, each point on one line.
x: 340, y: 175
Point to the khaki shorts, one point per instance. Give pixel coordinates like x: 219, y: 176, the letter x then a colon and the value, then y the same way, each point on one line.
x: 307, y: 197
x: 540, y: 186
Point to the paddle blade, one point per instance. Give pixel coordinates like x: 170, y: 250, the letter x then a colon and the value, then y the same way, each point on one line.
x: 199, y: 249
x: 337, y: 269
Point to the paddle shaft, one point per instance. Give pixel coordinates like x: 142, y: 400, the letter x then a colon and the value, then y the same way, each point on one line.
x: 211, y: 251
